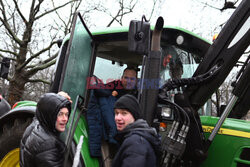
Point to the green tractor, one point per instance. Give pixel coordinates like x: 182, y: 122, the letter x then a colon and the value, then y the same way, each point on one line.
x: 177, y: 103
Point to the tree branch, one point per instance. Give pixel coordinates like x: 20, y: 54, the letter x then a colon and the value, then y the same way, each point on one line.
x: 37, y: 8
x: 7, y: 57
x: 7, y: 51
x: 19, y: 12
x: 58, y: 15
x: 31, y: 15
x: 206, y: 4
x: 35, y: 55
x: 152, y: 11
x: 40, y: 67
x: 68, y: 26
x: 121, y: 12
x: 114, y: 18
x: 44, y: 62
x: 7, y: 26
x: 38, y: 80
x: 4, y: 20
x: 52, y: 10
x: 50, y: 58
x: 72, y: 11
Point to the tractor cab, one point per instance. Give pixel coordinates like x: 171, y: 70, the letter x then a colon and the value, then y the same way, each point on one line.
x: 104, y: 54
x: 183, y: 64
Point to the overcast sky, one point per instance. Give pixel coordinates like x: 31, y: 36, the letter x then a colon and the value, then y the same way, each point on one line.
x: 193, y: 15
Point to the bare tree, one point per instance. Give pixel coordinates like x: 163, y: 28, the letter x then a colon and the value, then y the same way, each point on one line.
x: 119, y: 11
x: 123, y: 10
x: 224, y: 92
x: 29, y: 49
x: 33, y: 91
x: 227, y: 5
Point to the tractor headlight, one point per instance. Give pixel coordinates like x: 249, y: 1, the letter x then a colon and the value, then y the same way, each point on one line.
x: 166, y: 112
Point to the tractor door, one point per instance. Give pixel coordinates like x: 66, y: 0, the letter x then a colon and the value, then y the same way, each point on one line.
x: 76, y: 67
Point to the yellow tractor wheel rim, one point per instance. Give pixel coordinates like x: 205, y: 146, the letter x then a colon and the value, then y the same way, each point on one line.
x: 11, y: 159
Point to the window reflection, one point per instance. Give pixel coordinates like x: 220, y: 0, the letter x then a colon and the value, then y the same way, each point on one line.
x: 176, y: 63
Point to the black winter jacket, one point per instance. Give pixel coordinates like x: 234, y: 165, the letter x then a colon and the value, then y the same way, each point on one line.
x: 140, y: 146
x: 40, y: 145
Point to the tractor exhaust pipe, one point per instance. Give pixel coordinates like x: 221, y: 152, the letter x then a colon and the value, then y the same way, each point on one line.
x: 151, y: 81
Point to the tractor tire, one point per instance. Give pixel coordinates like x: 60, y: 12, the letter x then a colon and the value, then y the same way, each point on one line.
x: 10, y: 136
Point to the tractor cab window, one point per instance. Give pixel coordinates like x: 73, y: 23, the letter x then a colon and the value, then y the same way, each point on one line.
x: 176, y: 63
x: 107, y: 71
x: 112, y: 57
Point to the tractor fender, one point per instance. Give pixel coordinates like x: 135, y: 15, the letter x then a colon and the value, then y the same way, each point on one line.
x: 12, y: 127
x: 20, y: 112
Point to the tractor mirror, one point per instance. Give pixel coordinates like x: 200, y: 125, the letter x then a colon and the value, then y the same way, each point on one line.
x: 139, y: 36
x: 5, y: 65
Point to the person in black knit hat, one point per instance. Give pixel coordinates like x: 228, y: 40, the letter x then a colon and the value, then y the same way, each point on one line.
x: 139, y: 144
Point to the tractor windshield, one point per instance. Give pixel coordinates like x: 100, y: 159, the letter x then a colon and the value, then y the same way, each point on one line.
x: 182, y: 51
x: 175, y: 63
x: 178, y: 59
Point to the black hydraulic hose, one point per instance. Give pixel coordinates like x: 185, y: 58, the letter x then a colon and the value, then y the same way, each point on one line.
x: 176, y: 83
x: 180, y: 135
x: 179, y: 116
x: 175, y: 138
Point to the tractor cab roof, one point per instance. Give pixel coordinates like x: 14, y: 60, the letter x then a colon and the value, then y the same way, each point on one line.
x: 113, y: 44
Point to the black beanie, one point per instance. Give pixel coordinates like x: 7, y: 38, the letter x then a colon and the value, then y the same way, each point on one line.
x: 130, y: 103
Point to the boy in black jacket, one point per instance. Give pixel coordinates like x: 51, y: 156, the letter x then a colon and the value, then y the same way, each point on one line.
x: 139, y: 143
x: 40, y: 145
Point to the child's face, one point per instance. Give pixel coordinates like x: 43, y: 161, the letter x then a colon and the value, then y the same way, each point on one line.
x: 62, y: 119
x: 122, y: 118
